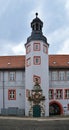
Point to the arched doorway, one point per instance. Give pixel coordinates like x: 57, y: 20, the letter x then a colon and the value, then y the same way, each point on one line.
x: 36, y: 111
x: 55, y: 108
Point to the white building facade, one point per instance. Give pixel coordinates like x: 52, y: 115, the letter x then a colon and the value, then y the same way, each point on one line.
x: 36, y: 84
x: 12, y: 87
x: 59, y: 84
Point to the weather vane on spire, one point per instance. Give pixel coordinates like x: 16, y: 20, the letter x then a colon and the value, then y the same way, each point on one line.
x: 36, y: 15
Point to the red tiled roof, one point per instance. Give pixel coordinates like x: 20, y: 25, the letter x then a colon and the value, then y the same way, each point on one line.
x: 7, y: 62
x: 18, y: 62
x: 59, y: 61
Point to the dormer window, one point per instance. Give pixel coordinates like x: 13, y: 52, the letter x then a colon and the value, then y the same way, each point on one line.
x: 54, y: 62
x: 68, y: 62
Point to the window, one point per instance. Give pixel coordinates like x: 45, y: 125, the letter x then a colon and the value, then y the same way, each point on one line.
x: 59, y: 94
x: 37, y: 60
x: 11, y: 94
x: 12, y: 76
x: 51, y: 94
x: 54, y: 75
x: 36, y: 47
x: 68, y: 106
x: 28, y: 48
x: 66, y: 93
x: 37, y: 77
x: 28, y: 62
x: 67, y: 75
x: 61, y: 75
x: 45, y: 49
x: 37, y: 26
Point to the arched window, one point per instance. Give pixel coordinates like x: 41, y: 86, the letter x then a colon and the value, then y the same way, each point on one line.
x: 37, y: 26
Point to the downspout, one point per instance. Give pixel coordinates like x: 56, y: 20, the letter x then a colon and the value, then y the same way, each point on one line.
x: 3, y: 92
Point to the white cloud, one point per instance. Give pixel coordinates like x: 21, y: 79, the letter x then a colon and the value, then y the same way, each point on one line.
x: 67, y: 7
x: 65, y: 48
x: 59, y: 42
x: 67, y: 4
x: 19, y: 49
x: 10, y: 48
x: 58, y: 35
x: 19, y: 13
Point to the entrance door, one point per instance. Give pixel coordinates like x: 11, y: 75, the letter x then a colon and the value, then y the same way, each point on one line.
x: 36, y: 111
x: 54, y: 109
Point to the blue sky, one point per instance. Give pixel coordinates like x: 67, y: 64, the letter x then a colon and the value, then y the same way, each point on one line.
x: 15, y: 19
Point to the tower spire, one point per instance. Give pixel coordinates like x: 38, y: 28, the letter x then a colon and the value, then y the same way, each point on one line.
x: 36, y: 33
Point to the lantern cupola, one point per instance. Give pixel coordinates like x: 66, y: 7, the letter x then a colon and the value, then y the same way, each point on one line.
x: 36, y: 33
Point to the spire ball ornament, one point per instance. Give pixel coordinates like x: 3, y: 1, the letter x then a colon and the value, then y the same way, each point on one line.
x: 36, y: 15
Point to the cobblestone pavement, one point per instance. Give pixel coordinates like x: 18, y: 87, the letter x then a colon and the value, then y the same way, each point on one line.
x: 15, y: 123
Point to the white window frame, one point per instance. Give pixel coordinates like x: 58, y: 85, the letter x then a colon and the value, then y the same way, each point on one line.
x: 54, y: 75
x: 36, y: 46
x: 66, y: 93
x: 28, y: 62
x: 51, y: 94
x: 28, y: 49
x: 59, y: 94
x: 11, y: 94
x: 67, y: 75
x: 12, y: 76
x: 61, y: 75
x: 37, y: 60
x: 45, y: 49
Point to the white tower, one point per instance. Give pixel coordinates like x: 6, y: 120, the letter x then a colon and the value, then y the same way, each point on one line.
x: 37, y: 73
